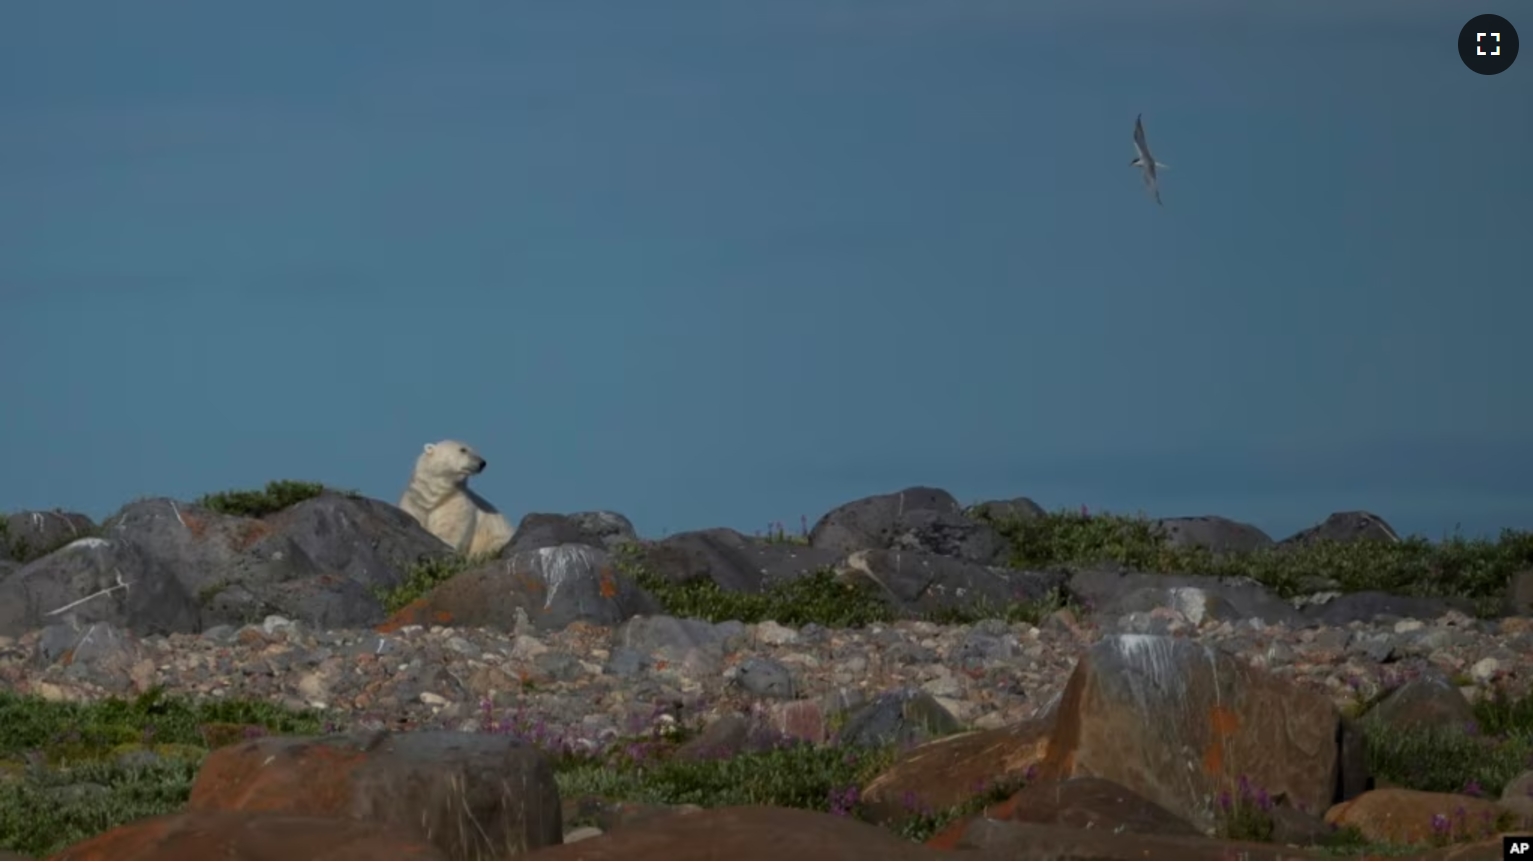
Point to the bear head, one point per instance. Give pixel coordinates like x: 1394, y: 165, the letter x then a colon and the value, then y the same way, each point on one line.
x: 450, y: 458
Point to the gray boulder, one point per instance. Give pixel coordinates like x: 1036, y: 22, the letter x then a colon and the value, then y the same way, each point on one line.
x: 928, y: 520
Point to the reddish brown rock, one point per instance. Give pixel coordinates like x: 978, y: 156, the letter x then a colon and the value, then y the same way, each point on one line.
x: 477, y: 796
x: 1399, y: 816
x: 554, y: 586
x: 1181, y: 723
x: 748, y: 832
x: 948, y: 771
x: 1094, y: 803
x: 252, y: 835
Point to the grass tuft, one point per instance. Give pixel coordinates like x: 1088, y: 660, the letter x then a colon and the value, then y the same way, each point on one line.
x: 276, y: 496
x: 424, y: 575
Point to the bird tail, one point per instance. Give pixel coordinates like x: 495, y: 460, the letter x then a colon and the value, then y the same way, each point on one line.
x: 1161, y: 166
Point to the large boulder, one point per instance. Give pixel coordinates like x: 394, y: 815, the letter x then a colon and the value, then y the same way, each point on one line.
x: 921, y: 519
x: 96, y: 580
x: 1213, y: 533
x: 372, y: 542
x: 159, y: 566
x: 548, y: 588
x: 607, y: 531
x: 1181, y: 723
x: 1110, y: 593
x: 1346, y: 527
x: 476, y: 796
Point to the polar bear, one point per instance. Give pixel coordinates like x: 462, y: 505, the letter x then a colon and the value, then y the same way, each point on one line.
x: 439, y: 498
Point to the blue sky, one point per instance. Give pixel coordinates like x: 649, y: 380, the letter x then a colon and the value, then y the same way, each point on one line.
x: 724, y: 263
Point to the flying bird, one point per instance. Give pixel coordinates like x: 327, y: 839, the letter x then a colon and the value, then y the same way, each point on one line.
x: 1144, y: 161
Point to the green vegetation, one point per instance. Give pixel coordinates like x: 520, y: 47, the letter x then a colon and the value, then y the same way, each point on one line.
x: 425, y: 574
x: 922, y: 822
x: 70, y: 771
x: 795, y: 776
x: 817, y: 597
x: 820, y: 597
x: 43, y: 811
x: 1479, y: 760
x: 1475, y: 569
x: 787, y: 774
x: 65, y: 732
x: 1030, y: 612
x: 1468, y: 568
x: 275, y: 497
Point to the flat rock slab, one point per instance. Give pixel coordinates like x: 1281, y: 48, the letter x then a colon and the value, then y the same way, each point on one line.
x: 949, y: 771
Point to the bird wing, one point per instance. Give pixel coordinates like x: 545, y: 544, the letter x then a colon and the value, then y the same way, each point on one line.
x: 1139, y: 141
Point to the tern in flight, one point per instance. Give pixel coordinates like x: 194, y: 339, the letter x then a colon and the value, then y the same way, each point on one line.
x: 1144, y: 161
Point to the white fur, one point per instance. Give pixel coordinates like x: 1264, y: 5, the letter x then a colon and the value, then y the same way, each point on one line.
x: 439, y: 498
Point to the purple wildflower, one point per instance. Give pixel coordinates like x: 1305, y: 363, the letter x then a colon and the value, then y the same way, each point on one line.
x: 843, y: 801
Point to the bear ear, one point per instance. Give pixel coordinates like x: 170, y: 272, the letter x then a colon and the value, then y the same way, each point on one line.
x: 429, y: 447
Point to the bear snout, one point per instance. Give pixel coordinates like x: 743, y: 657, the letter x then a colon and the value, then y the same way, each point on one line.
x: 480, y: 465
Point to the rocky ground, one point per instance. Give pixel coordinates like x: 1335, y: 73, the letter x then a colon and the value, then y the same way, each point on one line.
x: 585, y: 685
x: 1082, y: 683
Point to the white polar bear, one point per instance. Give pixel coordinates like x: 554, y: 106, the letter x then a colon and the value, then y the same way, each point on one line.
x: 439, y: 498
